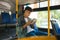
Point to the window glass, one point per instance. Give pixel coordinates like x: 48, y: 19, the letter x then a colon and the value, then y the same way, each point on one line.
x: 44, y: 4
x: 42, y: 18
x: 55, y: 15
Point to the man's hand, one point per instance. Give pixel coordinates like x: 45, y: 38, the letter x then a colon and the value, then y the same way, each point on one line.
x: 28, y: 23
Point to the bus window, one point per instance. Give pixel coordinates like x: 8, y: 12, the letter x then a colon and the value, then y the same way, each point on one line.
x: 42, y: 18
x: 44, y: 4
x: 33, y: 6
x: 55, y: 16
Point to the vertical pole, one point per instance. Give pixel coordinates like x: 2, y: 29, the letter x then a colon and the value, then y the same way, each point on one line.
x: 16, y: 16
x: 16, y: 8
x: 48, y: 17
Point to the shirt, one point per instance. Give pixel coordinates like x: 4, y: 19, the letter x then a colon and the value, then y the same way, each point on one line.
x: 29, y: 29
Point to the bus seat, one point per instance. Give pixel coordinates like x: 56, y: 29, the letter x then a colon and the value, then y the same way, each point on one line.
x: 13, y: 18
x: 12, y: 32
x: 5, y: 18
x: 55, y: 27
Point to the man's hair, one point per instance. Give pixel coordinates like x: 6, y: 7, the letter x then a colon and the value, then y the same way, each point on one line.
x: 29, y: 9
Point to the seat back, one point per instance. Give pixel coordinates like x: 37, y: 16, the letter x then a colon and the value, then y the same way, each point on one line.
x: 5, y: 18
x: 55, y: 27
x: 13, y: 18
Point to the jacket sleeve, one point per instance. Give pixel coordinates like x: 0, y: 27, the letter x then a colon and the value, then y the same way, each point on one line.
x: 21, y: 31
x: 19, y: 22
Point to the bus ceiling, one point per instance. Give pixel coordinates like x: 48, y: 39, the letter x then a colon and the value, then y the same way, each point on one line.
x: 7, y: 5
x: 10, y: 4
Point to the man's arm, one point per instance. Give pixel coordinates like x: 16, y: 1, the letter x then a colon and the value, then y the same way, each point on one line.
x: 25, y: 25
x: 28, y: 23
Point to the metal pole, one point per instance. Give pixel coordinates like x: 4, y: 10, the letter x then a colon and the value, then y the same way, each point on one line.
x: 16, y: 16
x: 48, y: 17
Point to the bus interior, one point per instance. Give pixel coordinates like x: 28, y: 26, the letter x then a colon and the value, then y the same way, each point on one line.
x: 8, y: 18
x: 40, y: 12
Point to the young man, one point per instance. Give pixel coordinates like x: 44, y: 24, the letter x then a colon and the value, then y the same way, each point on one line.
x: 26, y: 25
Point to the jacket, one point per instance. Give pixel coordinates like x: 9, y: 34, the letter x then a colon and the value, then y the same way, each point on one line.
x: 22, y: 32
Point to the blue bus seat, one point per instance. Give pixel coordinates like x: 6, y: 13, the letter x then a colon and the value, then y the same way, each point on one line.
x: 5, y: 18
x: 55, y: 27
x: 13, y: 18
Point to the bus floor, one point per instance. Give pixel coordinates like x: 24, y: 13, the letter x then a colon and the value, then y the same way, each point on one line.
x: 39, y: 38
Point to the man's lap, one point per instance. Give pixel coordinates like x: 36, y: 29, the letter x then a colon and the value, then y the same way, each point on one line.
x: 36, y: 33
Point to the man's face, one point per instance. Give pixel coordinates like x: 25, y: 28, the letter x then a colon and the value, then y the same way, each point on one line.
x: 27, y: 13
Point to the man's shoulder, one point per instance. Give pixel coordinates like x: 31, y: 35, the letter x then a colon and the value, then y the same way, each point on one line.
x: 21, y: 16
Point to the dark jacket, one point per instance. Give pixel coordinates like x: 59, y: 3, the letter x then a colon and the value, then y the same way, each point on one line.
x: 22, y: 32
